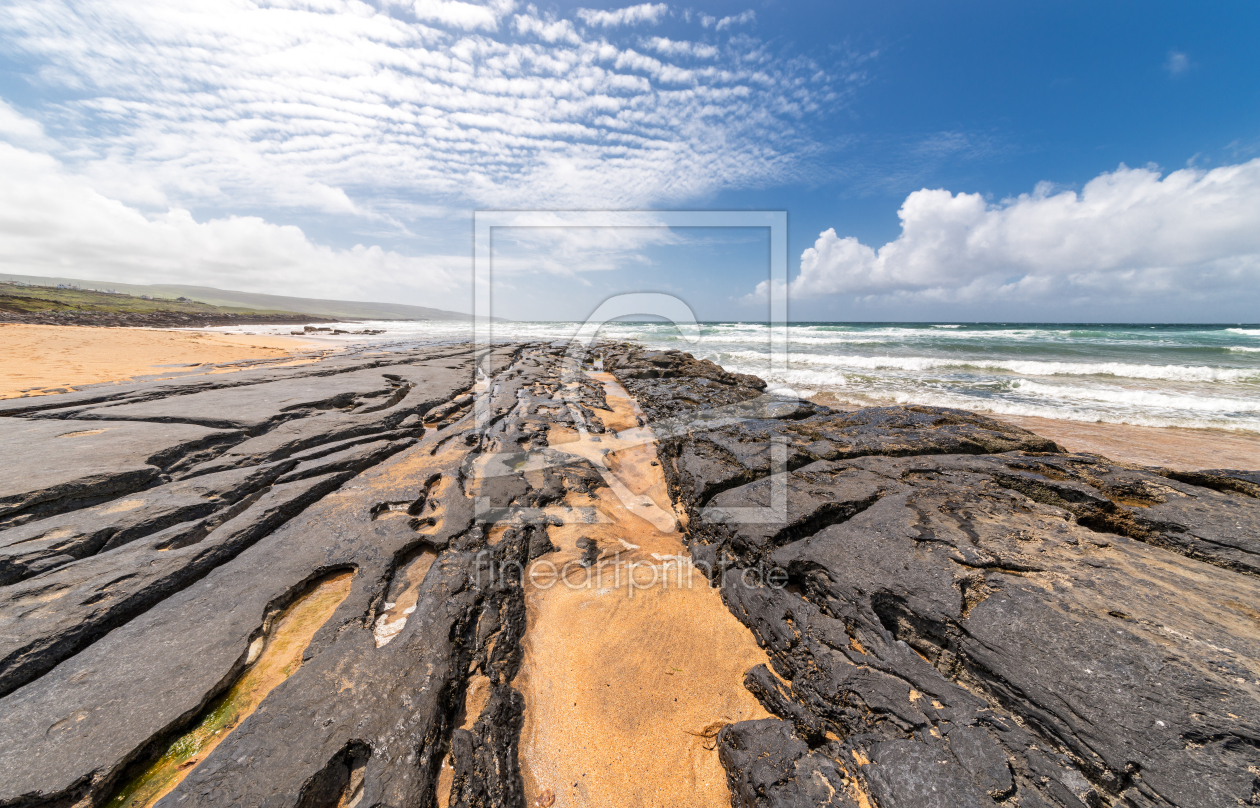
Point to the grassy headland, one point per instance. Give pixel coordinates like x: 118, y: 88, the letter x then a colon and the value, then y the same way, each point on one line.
x: 50, y: 305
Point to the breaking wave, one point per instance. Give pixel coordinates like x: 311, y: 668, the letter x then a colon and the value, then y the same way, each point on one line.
x: 1180, y: 373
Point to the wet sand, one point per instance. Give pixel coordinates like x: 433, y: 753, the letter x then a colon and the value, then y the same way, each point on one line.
x: 632, y: 662
x: 1168, y: 447
x: 41, y: 359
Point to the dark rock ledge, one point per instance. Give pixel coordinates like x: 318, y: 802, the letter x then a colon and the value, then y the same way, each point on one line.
x: 971, y: 616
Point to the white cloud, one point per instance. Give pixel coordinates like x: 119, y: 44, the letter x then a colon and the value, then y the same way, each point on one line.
x: 633, y: 15
x: 339, y: 107
x: 160, y: 124
x: 665, y: 73
x: 738, y: 19
x: 1177, y: 63
x: 53, y: 223
x: 553, y: 31
x: 1129, y: 234
x: 673, y: 48
x: 462, y: 15
x: 17, y: 128
x: 727, y: 22
x: 561, y: 249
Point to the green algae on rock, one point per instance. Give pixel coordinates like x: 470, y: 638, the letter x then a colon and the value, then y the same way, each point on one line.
x: 272, y: 659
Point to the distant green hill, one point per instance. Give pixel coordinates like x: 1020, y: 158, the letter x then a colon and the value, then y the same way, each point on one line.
x: 30, y: 299
x: 239, y: 301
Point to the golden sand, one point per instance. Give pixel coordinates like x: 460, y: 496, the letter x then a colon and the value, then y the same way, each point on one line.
x: 630, y: 665
x: 1169, y: 447
x: 37, y: 359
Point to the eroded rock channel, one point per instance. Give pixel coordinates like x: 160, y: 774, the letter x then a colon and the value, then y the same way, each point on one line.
x: 371, y: 581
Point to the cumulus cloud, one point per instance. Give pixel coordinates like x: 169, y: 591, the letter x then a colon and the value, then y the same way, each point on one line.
x: 53, y: 223
x: 633, y: 15
x: 1131, y: 233
x: 17, y: 128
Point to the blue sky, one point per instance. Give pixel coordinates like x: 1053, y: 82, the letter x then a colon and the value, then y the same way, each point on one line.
x: 982, y: 161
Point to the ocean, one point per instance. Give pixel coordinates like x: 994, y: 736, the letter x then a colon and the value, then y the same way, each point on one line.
x: 1198, y: 376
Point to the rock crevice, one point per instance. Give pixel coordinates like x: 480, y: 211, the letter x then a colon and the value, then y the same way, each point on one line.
x: 947, y: 610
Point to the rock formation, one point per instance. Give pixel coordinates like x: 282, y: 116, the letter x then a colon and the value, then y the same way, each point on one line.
x: 971, y: 616
x: 305, y: 586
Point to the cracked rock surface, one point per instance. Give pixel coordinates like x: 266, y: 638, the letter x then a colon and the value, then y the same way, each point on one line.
x: 955, y: 611
x: 968, y: 615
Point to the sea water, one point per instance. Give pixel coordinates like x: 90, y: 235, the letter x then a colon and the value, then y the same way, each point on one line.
x: 1205, y: 376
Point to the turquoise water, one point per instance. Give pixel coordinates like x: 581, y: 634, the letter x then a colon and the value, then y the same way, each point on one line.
x: 1198, y: 376
x: 1154, y: 375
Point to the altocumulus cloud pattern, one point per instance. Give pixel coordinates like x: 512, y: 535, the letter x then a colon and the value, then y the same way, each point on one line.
x: 315, y: 103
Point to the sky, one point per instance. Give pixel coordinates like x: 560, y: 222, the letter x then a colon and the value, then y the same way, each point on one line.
x: 986, y: 161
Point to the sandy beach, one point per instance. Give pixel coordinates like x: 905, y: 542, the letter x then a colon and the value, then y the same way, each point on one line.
x: 42, y: 359
x: 1168, y: 447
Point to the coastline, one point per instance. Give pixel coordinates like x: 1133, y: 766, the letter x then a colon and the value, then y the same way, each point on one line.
x: 1169, y: 447
x: 354, y: 530
x: 48, y: 359
x: 1188, y: 386
x: 1179, y: 448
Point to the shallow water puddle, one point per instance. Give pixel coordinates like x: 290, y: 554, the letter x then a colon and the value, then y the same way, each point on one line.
x: 631, y: 661
x: 404, y: 591
x: 83, y: 433
x: 273, y: 659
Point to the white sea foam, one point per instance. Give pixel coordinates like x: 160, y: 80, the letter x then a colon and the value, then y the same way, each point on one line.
x: 900, y: 334
x: 1027, y: 367
x: 763, y: 338
x: 1088, y: 415
x: 1146, y: 399
x: 1027, y: 397
x: 1056, y: 411
x: 1006, y: 369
